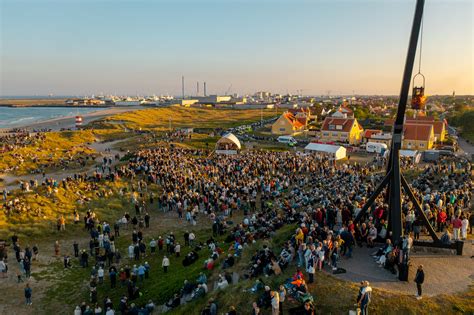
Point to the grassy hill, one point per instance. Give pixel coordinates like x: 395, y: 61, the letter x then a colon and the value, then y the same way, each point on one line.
x: 58, y: 148
x: 158, y: 119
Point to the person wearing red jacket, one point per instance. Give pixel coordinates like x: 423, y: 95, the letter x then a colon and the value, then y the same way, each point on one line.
x: 441, y: 220
x: 457, y: 224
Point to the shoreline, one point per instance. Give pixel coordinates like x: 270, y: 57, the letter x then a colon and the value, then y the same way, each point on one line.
x: 68, y: 122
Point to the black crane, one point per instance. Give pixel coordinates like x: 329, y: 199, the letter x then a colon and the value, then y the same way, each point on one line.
x: 394, y: 179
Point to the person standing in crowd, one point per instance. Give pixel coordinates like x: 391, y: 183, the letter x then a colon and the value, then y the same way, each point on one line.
x: 275, y: 303
x: 419, y: 279
x: 177, y: 249
x: 255, y: 309
x: 464, y: 227
x: 457, y: 224
x: 152, y: 246
x: 75, y: 245
x: 365, y: 297
x: 165, y: 264
x: 56, y: 248
x: 28, y: 294
x: 282, y: 297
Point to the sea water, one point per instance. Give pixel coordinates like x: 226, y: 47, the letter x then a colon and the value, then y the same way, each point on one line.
x: 11, y: 117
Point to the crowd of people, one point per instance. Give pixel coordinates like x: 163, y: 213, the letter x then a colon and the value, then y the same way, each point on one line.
x: 19, y: 139
x: 270, y: 190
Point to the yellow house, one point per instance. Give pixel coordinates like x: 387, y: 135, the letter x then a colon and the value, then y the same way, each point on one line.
x: 418, y: 137
x: 439, y: 127
x: 287, y: 124
x: 341, y: 130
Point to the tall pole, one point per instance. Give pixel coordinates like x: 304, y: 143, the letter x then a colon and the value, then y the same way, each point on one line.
x: 395, y: 200
x: 197, y: 88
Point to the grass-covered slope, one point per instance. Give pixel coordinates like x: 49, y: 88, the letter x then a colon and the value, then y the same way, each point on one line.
x: 159, y: 119
x: 56, y: 150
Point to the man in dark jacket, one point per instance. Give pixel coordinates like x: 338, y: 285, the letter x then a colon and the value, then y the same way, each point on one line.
x: 419, y: 279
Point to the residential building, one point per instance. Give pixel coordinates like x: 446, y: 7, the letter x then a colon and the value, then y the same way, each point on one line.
x: 418, y: 137
x: 343, y: 112
x: 346, y: 130
x: 369, y: 133
x: 439, y: 127
x: 287, y: 124
x: 303, y: 115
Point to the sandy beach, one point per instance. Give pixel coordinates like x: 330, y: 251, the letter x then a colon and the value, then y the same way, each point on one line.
x: 67, y: 122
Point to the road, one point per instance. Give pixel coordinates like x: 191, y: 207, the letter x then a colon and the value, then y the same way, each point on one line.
x: 466, y: 147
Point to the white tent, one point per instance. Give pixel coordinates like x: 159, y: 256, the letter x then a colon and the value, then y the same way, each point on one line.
x: 335, y: 151
x: 413, y: 155
x: 228, y: 144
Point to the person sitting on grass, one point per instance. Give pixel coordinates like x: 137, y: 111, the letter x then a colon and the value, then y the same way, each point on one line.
x: 228, y: 262
x: 222, y: 283
x: 175, y: 301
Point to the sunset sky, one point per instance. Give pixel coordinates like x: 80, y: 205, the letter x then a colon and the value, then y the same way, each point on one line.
x: 74, y: 47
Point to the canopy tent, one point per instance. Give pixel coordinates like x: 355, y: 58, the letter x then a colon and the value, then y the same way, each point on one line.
x: 412, y: 155
x: 336, y: 152
x: 228, y: 144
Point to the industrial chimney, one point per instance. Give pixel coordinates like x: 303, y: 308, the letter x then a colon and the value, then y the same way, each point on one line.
x: 205, y: 89
x: 182, y: 86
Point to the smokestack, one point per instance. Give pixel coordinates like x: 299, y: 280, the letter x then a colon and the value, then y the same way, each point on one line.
x: 205, y: 89
x: 197, y: 88
x: 182, y: 86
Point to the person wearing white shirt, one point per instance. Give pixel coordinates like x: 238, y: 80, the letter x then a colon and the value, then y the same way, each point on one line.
x: 131, y: 251
x: 177, y: 249
x: 100, y: 274
x: 165, y: 264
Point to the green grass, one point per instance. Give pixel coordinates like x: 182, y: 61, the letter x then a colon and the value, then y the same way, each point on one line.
x: 159, y: 287
x: 158, y: 119
x: 29, y: 225
x: 48, y: 153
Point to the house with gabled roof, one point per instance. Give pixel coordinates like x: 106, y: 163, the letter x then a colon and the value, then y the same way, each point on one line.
x: 303, y: 115
x: 346, y: 130
x: 418, y: 137
x: 343, y: 112
x: 439, y: 127
x: 287, y: 124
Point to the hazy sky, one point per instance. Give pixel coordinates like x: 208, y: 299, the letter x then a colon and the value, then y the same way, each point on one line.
x: 76, y: 47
